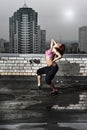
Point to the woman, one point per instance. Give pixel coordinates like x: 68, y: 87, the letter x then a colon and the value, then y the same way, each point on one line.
x: 52, y: 55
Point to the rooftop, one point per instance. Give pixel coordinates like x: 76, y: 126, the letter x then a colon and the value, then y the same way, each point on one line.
x: 23, y: 106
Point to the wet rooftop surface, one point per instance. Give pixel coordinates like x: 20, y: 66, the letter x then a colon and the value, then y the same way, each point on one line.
x: 24, y: 107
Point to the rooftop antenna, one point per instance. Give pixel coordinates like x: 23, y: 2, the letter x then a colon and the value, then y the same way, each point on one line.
x: 25, y: 5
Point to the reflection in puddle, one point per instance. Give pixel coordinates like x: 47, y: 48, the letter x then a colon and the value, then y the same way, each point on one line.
x: 81, y: 105
x: 35, y: 129
x: 76, y: 126
x: 24, y: 126
x: 45, y: 126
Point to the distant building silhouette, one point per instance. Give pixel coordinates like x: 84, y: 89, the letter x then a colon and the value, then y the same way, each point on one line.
x: 41, y: 40
x: 2, y: 41
x: 72, y: 47
x: 6, y: 47
x: 83, y: 39
x: 23, y: 31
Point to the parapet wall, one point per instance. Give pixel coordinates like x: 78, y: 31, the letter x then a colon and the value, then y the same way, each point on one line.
x: 27, y: 64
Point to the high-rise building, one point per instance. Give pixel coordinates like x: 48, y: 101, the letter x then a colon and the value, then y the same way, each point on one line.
x: 41, y: 40
x: 83, y: 39
x: 2, y: 42
x: 23, y: 31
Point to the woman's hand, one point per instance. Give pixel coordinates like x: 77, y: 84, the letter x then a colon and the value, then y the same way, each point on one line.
x: 53, y: 43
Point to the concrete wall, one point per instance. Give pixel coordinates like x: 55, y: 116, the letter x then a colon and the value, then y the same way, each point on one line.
x: 27, y: 64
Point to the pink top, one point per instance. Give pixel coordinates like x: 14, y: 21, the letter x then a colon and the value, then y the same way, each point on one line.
x: 50, y: 53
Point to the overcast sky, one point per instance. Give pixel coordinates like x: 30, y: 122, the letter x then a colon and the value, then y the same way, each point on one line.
x: 60, y: 18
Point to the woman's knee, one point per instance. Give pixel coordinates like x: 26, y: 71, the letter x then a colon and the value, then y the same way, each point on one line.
x: 38, y: 72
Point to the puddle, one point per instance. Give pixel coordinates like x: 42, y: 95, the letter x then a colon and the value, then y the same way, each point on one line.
x: 76, y: 126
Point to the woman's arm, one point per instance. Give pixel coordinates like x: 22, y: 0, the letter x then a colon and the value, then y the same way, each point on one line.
x: 59, y: 56
x: 53, y: 43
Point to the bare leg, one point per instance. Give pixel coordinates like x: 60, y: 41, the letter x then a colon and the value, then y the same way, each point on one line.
x: 53, y: 88
x: 39, y: 79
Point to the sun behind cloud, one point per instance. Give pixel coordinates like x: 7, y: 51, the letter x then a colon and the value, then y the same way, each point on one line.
x: 69, y: 15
